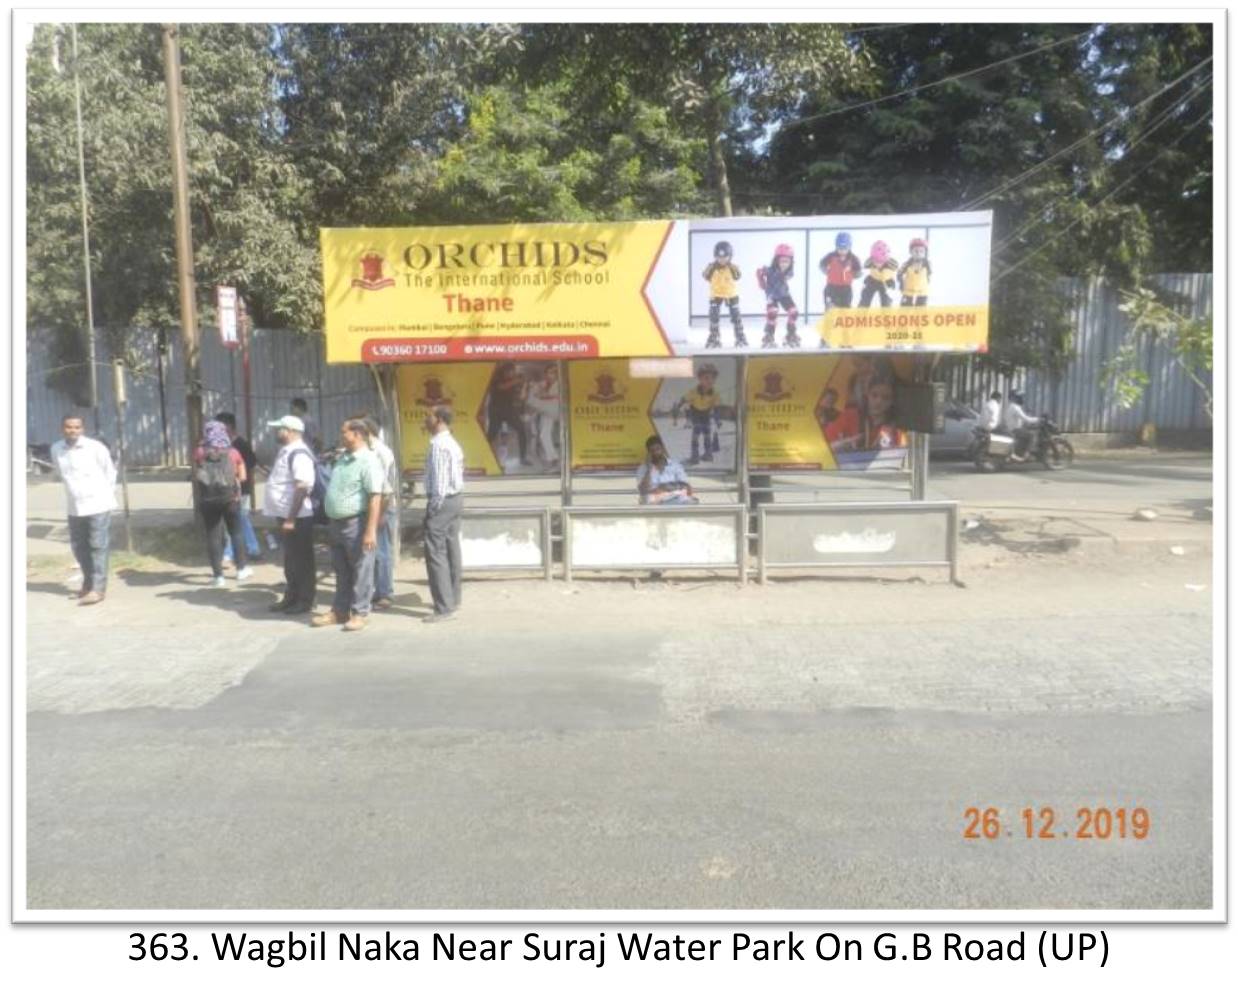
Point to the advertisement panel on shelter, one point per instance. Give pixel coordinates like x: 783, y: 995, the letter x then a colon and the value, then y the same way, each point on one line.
x: 614, y: 413
x: 658, y: 288
x: 506, y: 416
x: 826, y: 412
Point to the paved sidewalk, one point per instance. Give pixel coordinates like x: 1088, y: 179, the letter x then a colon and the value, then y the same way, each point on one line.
x: 1025, y: 510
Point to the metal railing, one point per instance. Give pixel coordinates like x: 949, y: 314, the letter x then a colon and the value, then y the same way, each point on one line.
x: 538, y: 514
x: 738, y: 561
x: 908, y: 553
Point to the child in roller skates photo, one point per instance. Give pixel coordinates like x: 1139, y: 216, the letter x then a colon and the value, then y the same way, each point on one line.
x: 704, y: 416
x: 841, y: 267
x: 879, y: 281
x: 913, y: 278
x: 722, y: 275
x: 774, y: 280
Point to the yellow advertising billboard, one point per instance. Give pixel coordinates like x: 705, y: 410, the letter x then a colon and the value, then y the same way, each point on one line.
x: 506, y: 415
x: 491, y: 292
x: 611, y: 415
x: 461, y: 387
x: 739, y: 286
x: 825, y: 412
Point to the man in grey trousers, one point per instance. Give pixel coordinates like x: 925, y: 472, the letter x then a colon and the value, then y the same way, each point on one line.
x: 444, y: 501
x: 353, y: 503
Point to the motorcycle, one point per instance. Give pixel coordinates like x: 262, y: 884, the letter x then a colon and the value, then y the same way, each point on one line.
x: 995, y: 450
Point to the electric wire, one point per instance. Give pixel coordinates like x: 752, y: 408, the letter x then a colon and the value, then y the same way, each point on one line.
x: 1160, y: 120
x: 1078, y: 221
x: 1007, y: 184
x: 935, y: 83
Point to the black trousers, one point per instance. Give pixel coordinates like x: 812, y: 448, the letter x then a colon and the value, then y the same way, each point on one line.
x: 837, y: 296
x: 715, y: 313
x: 300, y: 573
x: 872, y: 287
x: 215, y: 518
x: 494, y: 426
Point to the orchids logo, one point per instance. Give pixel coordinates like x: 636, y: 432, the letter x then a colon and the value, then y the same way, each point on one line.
x: 772, y: 388
x: 609, y: 391
x: 433, y: 393
x: 374, y: 272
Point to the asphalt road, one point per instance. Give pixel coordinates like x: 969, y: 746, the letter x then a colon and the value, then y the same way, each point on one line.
x: 620, y: 745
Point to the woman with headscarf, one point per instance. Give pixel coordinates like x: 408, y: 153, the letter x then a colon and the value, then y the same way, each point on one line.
x: 218, y: 473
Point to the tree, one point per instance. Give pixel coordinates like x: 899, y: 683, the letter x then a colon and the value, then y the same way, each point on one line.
x: 246, y: 195
x: 1048, y: 125
x: 1154, y: 321
x: 725, y: 82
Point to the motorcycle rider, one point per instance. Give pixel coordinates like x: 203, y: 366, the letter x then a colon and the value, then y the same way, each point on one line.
x: 993, y: 412
x: 1020, y: 425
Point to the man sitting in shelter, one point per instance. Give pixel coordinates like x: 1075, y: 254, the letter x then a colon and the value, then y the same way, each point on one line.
x: 661, y: 480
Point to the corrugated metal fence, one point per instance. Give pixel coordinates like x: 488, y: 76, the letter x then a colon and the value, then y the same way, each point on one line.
x: 1077, y: 399
x: 285, y: 365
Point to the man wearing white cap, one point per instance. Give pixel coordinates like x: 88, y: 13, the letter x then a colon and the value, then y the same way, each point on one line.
x: 286, y: 499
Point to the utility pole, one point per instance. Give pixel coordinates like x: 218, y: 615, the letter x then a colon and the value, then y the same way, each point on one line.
x: 184, y: 239
x: 246, y: 384
x: 122, y: 402
x: 81, y: 175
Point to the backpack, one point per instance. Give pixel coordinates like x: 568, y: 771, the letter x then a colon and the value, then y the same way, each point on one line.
x: 318, y: 493
x: 215, y: 478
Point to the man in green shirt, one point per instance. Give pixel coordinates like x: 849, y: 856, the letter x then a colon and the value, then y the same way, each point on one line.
x: 353, y: 504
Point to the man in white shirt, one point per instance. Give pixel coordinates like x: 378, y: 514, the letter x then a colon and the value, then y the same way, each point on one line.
x: 993, y: 411
x: 444, y: 502
x: 85, y: 466
x: 1019, y: 424
x: 286, y: 499
x: 384, y: 564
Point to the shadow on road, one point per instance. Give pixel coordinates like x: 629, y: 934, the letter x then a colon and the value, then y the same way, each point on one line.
x: 1029, y: 538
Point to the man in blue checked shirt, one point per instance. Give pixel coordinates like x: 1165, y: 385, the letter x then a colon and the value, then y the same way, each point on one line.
x: 444, y: 501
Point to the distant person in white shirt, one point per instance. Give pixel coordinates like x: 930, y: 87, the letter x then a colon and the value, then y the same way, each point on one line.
x: 85, y: 466
x: 1019, y: 423
x: 444, y: 502
x: 288, y: 499
x: 661, y: 480
x: 993, y: 411
x: 311, y: 436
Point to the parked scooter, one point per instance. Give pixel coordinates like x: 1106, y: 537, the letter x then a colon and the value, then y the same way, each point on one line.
x: 996, y: 450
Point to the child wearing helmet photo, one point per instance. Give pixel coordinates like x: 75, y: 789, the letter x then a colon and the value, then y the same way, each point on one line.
x: 913, y: 278
x: 879, y: 281
x: 704, y: 415
x: 775, y: 281
x: 722, y: 275
x: 841, y: 267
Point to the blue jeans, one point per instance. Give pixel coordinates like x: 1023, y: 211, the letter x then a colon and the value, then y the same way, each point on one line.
x: 384, y: 562
x: 247, y: 531
x: 90, y: 537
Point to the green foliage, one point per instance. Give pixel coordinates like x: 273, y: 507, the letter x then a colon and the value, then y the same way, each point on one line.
x: 246, y: 193
x: 528, y: 157
x: 1126, y: 192
x: 294, y: 127
x: 1152, y: 321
